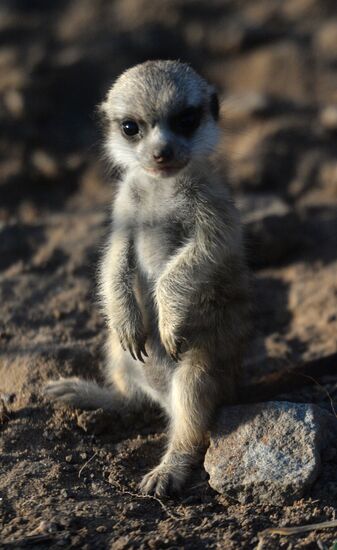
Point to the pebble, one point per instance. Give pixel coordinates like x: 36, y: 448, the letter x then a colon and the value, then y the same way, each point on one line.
x: 45, y: 164
x: 325, y: 40
x: 328, y: 118
x: 266, y: 452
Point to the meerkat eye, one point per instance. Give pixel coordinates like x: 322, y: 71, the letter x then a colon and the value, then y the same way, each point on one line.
x: 186, y: 122
x: 130, y: 128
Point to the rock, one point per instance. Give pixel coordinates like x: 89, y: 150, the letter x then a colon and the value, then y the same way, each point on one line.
x: 222, y: 40
x: 271, y: 228
x: 45, y: 164
x: 328, y: 118
x: 325, y: 41
x: 239, y: 108
x: 101, y: 529
x: 312, y: 303
x: 266, y: 70
x: 14, y: 102
x: 266, y: 452
x: 294, y: 9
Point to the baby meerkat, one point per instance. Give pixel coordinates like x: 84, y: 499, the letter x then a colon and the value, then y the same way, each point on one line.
x: 173, y: 278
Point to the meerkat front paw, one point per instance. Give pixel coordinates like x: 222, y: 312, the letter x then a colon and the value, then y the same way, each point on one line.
x: 164, y: 480
x: 171, y: 342
x: 133, y: 338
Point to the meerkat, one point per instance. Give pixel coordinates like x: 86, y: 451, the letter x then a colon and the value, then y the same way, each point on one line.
x: 173, y: 279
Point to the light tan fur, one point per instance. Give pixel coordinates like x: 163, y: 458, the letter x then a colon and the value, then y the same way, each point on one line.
x: 173, y: 279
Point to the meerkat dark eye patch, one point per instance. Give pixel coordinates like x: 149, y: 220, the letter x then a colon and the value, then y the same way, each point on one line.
x: 187, y: 121
x: 129, y: 128
x: 214, y: 106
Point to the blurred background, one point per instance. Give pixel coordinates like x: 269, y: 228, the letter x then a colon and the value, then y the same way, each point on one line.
x: 274, y: 63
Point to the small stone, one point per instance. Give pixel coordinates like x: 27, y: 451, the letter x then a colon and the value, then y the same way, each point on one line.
x: 239, y: 108
x: 64, y: 493
x: 14, y: 102
x: 101, y: 529
x: 120, y: 544
x: 45, y: 527
x: 69, y: 458
x: 328, y: 118
x: 325, y: 40
x: 266, y: 452
x: 220, y: 42
x: 45, y: 164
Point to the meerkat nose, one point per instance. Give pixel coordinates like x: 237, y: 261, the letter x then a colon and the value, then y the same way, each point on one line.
x: 163, y: 154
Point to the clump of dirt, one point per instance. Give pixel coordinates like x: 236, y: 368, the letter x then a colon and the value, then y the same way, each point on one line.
x: 69, y: 480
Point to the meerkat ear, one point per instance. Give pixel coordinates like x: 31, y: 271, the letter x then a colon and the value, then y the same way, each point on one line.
x: 102, y: 108
x: 101, y: 113
x: 214, y: 104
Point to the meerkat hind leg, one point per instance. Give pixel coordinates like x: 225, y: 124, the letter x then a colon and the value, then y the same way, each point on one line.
x: 193, y: 399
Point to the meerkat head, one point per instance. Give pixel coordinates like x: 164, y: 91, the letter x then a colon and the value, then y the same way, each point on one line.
x: 161, y: 116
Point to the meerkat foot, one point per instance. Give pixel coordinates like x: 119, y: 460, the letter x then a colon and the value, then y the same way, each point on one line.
x: 80, y: 393
x: 164, y: 480
x: 161, y: 481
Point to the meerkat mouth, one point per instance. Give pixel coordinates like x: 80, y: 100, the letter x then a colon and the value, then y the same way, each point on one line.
x: 167, y: 170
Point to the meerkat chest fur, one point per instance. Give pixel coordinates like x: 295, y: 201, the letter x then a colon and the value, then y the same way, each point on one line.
x: 161, y: 223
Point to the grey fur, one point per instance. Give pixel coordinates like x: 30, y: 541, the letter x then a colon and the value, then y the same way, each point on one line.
x: 173, y: 279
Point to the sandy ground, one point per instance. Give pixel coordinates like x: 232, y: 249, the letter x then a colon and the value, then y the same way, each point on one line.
x: 69, y: 479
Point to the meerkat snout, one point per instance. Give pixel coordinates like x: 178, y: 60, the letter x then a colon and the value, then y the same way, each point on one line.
x: 161, y: 116
x: 163, y: 154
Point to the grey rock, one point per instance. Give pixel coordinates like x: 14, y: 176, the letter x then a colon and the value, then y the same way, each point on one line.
x: 266, y: 452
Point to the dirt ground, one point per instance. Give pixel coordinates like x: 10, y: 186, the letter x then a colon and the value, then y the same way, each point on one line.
x: 69, y: 479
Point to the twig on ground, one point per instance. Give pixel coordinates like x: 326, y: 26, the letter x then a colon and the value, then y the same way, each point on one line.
x: 149, y: 497
x: 86, y: 464
x: 293, y: 530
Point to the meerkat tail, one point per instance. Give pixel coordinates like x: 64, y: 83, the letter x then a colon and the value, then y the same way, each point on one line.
x: 82, y: 394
